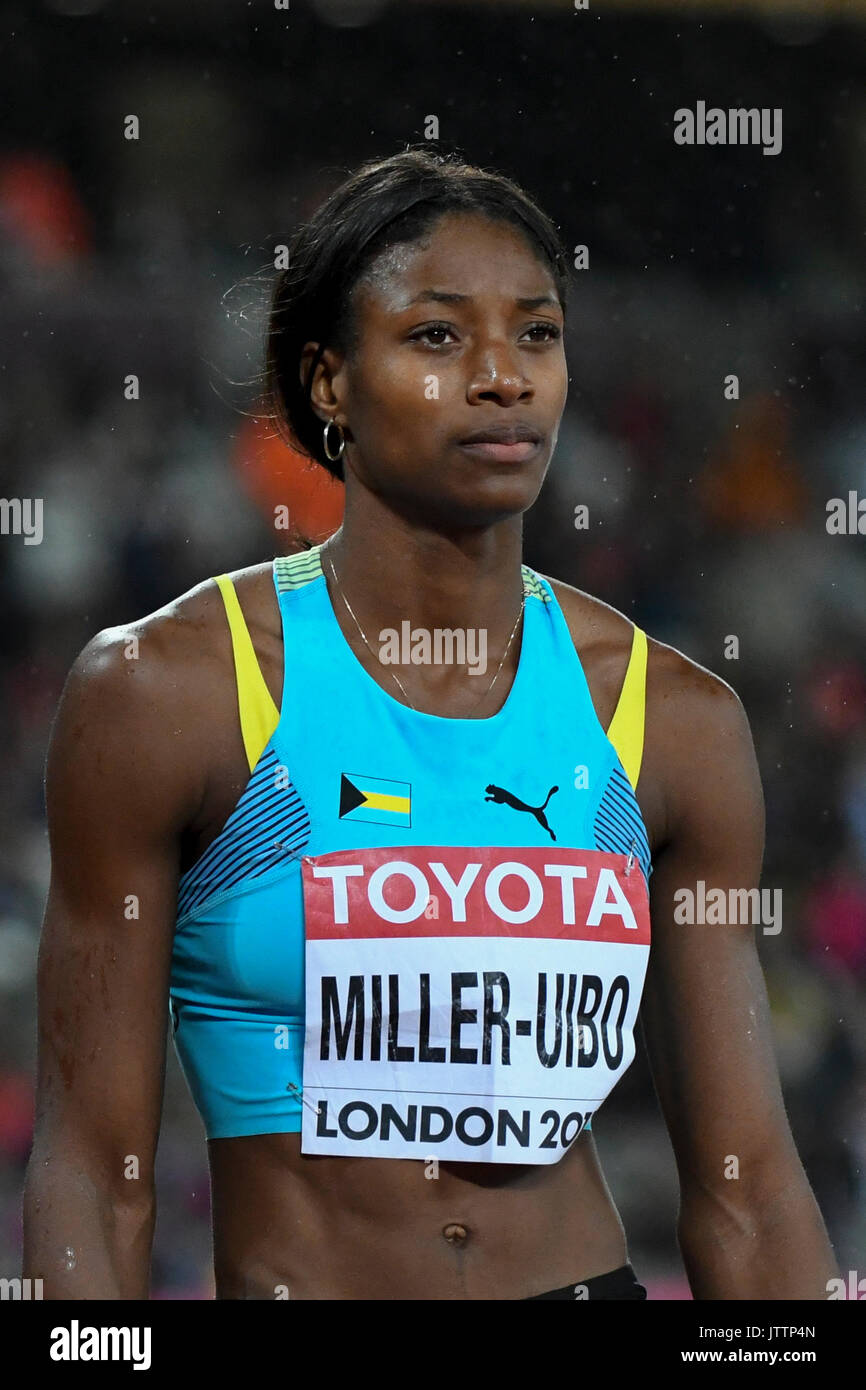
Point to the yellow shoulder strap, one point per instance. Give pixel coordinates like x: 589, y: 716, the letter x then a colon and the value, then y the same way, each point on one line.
x: 259, y: 715
x: 627, y: 726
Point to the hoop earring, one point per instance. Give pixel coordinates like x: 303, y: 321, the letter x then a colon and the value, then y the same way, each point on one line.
x: 338, y: 454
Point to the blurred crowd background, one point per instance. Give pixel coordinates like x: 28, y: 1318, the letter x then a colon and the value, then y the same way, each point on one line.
x: 707, y: 515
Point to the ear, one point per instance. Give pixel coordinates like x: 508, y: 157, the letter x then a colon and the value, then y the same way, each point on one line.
x: 323, y: 397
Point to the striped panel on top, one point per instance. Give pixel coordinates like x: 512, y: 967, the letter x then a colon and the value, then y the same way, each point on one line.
x: 618, y: 826
x: 269, y: 826
x: 532, y: 585
x: 294, y: 571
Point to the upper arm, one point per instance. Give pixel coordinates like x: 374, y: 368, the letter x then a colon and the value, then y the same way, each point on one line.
x: 120, y: 786
x: 705, y: 1014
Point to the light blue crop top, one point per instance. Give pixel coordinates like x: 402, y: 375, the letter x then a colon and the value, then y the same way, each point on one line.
x: 320, y: 782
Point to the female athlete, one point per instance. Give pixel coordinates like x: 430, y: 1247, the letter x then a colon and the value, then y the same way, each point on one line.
x: 395, y: 828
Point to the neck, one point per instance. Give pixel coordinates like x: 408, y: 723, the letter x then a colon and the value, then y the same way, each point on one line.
x: 392, y: 570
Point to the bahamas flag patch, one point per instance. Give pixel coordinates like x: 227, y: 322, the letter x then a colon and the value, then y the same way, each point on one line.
x: 374, y: 800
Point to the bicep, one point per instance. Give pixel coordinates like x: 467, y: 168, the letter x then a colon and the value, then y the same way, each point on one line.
x: 705, y: 1013
x: 117, y: 794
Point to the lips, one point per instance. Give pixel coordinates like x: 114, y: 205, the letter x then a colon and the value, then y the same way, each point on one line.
x: 503, y: 434
x: 502, y: 443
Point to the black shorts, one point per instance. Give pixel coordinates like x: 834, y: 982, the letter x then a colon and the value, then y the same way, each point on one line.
x: 619, y: 1283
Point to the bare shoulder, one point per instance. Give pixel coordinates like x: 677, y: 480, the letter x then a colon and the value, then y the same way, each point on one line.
x: 602, y: 637
x: 153, y: 700
x: 697, y: 740
x: 162, y: 655
x: 677, y: 687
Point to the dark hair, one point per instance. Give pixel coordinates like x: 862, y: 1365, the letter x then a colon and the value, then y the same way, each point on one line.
x: 384, y: 203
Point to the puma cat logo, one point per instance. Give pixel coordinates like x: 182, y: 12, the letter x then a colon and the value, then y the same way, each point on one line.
x: 504, y: 798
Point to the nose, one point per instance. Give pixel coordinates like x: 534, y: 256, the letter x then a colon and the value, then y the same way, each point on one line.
x: 498, y: 376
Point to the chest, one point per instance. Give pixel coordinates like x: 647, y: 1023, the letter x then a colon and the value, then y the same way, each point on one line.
x: 546, y: 786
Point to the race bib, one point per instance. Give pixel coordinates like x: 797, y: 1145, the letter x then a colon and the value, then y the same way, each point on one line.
x: 474, y: 1004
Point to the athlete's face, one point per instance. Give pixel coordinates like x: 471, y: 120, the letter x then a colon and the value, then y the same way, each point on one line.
x: 457, y: 335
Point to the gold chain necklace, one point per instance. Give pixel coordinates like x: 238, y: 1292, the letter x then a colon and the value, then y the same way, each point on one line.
x: 397, y: 678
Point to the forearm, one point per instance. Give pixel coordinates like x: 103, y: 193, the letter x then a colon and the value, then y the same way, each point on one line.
x: 772, y: 1245
x: 84, y: 1243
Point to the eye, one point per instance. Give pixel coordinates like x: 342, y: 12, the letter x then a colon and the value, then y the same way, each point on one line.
x: 429, y: 330
x: 433, y: 333
x: 551, y: 329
